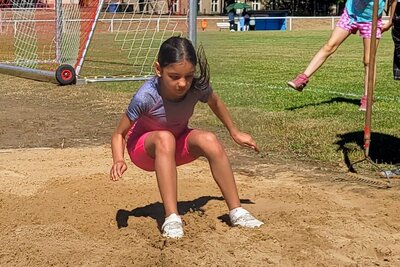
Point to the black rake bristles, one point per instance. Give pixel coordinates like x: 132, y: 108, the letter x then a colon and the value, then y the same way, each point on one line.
x: 370, y: 181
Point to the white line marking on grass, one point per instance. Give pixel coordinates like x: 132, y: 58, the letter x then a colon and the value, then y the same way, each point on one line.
x: 309, y: 90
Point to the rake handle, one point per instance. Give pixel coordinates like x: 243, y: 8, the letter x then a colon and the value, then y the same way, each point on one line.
x: 371, y: 81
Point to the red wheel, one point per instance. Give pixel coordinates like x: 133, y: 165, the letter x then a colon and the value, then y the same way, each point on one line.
x: 65, y: 74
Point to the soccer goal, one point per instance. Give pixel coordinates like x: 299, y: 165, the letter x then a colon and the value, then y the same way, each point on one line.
x: 80, y: 41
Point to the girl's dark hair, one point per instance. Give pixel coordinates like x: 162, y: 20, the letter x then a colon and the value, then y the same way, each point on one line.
x: 176, y: 49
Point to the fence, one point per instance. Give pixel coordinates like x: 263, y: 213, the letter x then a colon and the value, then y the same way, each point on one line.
x: 292, y: 23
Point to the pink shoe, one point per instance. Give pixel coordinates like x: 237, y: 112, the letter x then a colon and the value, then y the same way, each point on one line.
x: 299, y: 83
x: 363, y: 103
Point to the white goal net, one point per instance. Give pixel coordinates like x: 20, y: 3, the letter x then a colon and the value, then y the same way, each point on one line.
x: 85, y: 40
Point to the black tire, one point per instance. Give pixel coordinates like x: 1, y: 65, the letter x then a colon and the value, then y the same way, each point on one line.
x: 65, y: 75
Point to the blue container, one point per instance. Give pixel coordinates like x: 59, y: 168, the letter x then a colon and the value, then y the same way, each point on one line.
x: 269, y: 20
x: 112, y: 7
x: 278, y: 24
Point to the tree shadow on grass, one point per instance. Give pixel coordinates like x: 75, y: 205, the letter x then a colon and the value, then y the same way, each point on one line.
x: 331, y: 101
x: 156, y: 210
x: 384, y: 148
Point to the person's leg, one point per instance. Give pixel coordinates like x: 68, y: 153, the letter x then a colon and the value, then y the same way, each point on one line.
x: 155, y: 151
x: 160, y: 145
x: 232, y: 25
x: 396, y: 52
x: 343, y: 29
x: 206, y: 144
x: 365, y: 30
x: 366, y: 61
x: 337, y: 37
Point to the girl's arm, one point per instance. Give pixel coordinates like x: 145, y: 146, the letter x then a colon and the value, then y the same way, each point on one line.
x: 387, y: 25
x: 118, y: 148
x: 220, y: 110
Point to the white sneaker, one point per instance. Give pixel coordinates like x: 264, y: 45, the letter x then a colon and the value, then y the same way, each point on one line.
x: 243, y: 218
x: 172, y: 226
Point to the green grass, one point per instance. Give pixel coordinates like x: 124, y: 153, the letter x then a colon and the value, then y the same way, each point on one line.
x: 250, y: 70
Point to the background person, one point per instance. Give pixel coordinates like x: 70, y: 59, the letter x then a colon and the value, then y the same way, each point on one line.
x: 357, y: 16
x: 231, y: 19
x: 246, y: 18
x: 396, y: 40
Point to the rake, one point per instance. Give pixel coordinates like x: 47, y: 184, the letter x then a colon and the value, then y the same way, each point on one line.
x: 370, y: 91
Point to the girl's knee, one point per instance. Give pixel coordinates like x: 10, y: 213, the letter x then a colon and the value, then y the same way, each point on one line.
x: 164, y: 140
x: 205, y: 144
x: 211, y: 144
x: 208, y: 137
x: 329, y: 48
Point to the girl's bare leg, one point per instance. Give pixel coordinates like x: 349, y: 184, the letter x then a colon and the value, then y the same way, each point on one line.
x: 367, y: 51
x: 160, y: 145
x: 206, y: 144
x: 337, y: 37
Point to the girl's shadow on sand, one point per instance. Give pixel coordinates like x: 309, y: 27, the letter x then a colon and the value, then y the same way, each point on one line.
x: 156, y: 210
x: 384, y: 148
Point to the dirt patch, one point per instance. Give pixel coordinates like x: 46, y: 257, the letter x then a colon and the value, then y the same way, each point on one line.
x: 58, y: 207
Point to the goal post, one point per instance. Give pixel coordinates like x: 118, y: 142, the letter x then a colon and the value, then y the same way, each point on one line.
x: 69, y: 41
x: 42, y: 40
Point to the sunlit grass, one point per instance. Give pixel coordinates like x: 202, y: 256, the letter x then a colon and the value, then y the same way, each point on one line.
x: 250, y: 70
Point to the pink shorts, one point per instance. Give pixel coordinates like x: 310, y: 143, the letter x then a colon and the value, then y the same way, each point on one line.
x: 364, y: 28
x: 141, y: 159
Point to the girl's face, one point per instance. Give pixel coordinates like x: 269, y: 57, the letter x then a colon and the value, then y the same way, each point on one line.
x: 176, y: 79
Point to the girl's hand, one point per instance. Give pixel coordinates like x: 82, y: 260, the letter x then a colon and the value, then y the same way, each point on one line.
x: 245, y: 140
x: 386, y: 26
x: 117, y: 169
